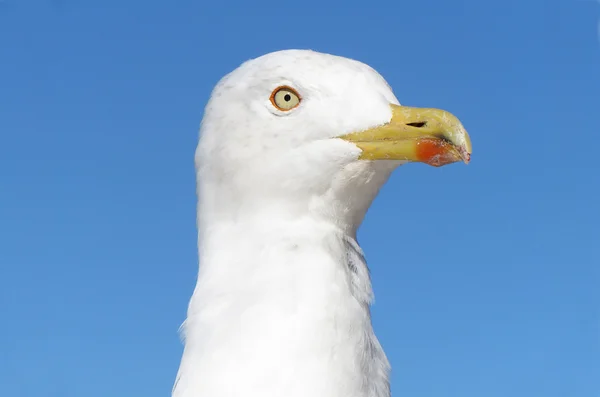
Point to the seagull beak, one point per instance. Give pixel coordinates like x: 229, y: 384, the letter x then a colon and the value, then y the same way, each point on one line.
x: 430, y: 136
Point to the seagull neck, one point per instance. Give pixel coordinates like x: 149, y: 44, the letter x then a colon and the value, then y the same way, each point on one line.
x: 284, y: 215
x: 281, y: 307
x: 264, y: 240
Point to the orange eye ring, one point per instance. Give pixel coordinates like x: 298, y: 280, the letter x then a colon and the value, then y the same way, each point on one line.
x: 285, y: 98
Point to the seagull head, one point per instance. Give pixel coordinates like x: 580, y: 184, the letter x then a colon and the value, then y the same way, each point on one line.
x: 297, y: 130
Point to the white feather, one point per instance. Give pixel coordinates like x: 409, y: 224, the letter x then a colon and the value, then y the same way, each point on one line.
x: 281, y: 305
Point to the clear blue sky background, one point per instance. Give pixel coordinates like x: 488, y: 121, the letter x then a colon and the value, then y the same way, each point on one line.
x: 486, y: 276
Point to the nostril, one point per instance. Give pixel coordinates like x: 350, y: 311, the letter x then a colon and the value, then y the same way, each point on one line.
x: 418, y: 124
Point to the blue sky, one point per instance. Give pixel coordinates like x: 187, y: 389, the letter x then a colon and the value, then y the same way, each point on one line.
x: 486, y: 276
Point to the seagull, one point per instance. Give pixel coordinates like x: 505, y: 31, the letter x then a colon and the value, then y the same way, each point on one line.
x: 294, y: 146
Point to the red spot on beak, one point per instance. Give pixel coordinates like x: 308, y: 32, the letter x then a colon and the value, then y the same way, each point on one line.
x: 437, y: 152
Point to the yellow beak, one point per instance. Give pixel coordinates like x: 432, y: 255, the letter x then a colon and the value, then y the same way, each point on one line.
x: 430, y: 136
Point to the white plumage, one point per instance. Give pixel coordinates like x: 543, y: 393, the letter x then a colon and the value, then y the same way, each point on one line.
x: 281, y: 306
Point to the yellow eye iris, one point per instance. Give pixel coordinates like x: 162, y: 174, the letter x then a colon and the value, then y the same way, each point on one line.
x: 285, y: 98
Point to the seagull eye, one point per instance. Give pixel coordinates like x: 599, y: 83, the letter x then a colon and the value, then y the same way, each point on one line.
x: 285, y: 98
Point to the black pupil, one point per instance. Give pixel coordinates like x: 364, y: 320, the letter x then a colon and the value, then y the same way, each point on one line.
x: 287, y: 98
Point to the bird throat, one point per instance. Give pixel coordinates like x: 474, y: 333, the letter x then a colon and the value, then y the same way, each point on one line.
x: 281, y: 309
